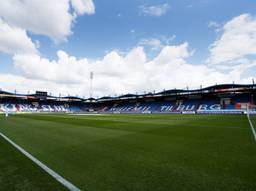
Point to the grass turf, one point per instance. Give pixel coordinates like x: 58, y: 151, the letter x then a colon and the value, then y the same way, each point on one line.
x: 253, y: 119
x: 19, y: 173
x: 135, y: 152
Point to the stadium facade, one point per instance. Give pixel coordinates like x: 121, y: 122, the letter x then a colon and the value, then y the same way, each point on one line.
x: 225, y: 98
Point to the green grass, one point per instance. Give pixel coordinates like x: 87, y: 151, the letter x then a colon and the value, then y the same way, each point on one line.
x: 253, y: 119
x: 19, y: 173
x: 131, y: 152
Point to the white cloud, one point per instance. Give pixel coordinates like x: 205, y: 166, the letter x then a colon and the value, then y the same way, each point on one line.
x: 14, y: 40
x: 237, y: 41
x: 154, y: 43
x: 66, y: 69
x: 157, y: 43
x: 44, y: 17
x: 115, y: 73
x: 10, y: 82
x: 83, y: 6
x: 154, y: 10
x: 213, y: 24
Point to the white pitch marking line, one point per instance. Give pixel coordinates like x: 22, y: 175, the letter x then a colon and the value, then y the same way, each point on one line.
x: 55, y: 175
x: 252, y: 128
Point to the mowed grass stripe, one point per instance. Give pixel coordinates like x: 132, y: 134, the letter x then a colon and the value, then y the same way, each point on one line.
x: 121, y: 123
x: 117, y: 128
x: 155, y: 157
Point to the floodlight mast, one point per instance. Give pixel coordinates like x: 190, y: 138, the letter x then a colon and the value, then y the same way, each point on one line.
x: 91, y: 80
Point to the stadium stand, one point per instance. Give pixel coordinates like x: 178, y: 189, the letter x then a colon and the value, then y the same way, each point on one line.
x: 226, y: 98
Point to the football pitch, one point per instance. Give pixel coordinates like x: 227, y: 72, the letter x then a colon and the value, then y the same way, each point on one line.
x: 129, y: 152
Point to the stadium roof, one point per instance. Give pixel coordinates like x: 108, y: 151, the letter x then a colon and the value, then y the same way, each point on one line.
x: 215, y: 88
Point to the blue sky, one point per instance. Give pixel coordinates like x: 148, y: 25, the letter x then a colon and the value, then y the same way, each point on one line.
x: 94, y: 30
x: 110, y: 27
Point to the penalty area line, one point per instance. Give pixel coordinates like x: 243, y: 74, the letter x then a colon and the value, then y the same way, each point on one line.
x: 52, y: 173
x: 252, y: 128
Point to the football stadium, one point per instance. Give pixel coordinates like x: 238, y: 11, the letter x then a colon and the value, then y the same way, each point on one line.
x: 131, y: 95
x: 173, y: 140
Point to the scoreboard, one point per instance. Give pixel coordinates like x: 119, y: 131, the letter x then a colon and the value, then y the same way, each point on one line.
x: 41, y: 95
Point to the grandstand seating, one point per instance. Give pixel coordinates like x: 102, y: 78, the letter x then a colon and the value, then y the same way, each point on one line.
x: 11, y: 107
x: 161, y: 107
x: 127, y: 107
x: 173, y: 107
x: 213, y: 99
